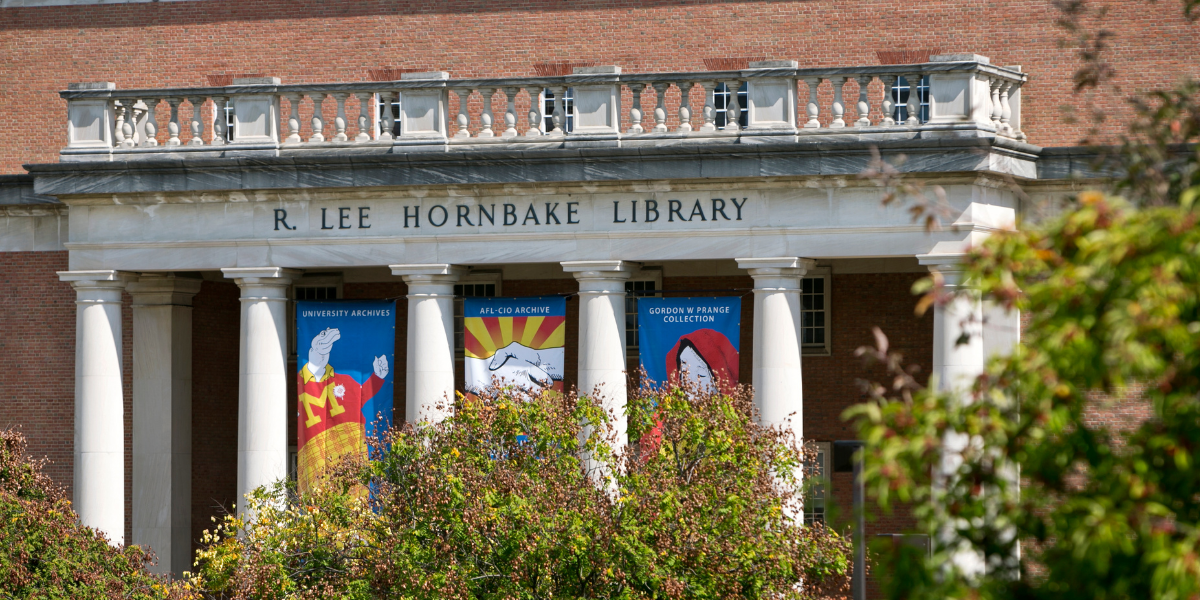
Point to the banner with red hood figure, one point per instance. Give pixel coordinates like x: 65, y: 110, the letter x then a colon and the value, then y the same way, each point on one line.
x: 699, y: 336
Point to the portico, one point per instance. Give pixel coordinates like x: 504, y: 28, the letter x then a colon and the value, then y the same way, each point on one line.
x: 594, y: 209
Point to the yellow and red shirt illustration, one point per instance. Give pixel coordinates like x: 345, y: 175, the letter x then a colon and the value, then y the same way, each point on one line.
x: 331, y: 422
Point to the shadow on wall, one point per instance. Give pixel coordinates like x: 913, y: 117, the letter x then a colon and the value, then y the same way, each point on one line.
x: 151, y: 13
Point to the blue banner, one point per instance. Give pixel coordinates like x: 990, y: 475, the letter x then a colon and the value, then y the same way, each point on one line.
x: 699, y: 336
x: 345, y: 363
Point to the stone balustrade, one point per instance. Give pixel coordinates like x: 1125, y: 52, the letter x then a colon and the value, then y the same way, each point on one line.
x: 967, y: 97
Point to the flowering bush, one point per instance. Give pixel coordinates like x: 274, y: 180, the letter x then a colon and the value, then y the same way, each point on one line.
x: 514, y: 497
x: 45, y: 553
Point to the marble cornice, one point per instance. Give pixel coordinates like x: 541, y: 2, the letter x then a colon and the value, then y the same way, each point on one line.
x: 828, y: 157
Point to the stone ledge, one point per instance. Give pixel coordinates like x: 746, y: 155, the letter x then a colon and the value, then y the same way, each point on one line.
x: 17, y: 190
x: 833, y: 158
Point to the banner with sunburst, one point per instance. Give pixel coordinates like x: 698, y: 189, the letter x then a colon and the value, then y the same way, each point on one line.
x: 514, y: 341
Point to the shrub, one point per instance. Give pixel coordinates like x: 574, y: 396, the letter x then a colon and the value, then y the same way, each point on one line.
x: 46, y: 554
x: 513, y: 497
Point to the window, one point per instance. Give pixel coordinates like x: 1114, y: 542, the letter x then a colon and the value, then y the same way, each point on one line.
x: 309, y: 288
x: 568, y: 108
x: 721, y: 104
x: 634, y: 289
x: 379, y: 112
x: 814, y: 312
x: 900, y: 94
x: 816, y: 477
x: 229, y: 121
x: 293, y: 460
x: 475, y: 285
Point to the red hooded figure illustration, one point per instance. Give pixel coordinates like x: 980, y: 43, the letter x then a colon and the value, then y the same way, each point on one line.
x: 707, y: 356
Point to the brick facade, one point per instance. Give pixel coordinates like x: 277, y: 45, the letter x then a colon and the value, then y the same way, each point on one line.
x: 198, y: 43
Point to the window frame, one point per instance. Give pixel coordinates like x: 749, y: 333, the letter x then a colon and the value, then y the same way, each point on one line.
x: 546, y: 99
x: 900, y: 101
x: 458, y: 327
x: 650, y: 274
x: 306, y: 282
x: 721, y: 105
x: 824, y: 488
x: 825, y: 348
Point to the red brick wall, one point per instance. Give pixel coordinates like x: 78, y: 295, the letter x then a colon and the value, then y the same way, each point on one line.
x: 216, y: 325
x: 182, y: 43
x: 37, y: 357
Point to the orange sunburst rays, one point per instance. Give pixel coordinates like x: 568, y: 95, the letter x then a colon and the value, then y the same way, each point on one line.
x: 484, y: 335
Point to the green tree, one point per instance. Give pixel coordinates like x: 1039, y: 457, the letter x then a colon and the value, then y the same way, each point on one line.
x: 1056, y: 502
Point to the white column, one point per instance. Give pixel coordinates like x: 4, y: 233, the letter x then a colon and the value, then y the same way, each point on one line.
x: 429, y: 384
x: 99, y: 402
x: 956, y: 365
x: 162, y: 418
x: 961, y: 319
x: 262, y: 378
x: 778, y: 385
x: 602, y: 371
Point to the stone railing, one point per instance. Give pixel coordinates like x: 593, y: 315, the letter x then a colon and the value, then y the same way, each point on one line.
x: 966, y: 97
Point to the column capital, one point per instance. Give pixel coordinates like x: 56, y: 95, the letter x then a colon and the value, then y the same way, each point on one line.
x: 156, y: 289
x: 244, y: 276
x: 779, y: 266
x: 600, y: 269
x: 101, y: 278
x: 97, y: 287
x: 950, y: 266
x: 432, y: 273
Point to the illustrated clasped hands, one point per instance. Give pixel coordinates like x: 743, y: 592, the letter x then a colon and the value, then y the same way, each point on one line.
x: 523, y: 366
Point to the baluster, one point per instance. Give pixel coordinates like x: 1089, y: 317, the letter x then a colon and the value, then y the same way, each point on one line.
x: 293, y: 120
x: 197, y: 122
x: 339, y: 122
x: 635, y: 110
x: 173, y: 125
x: 685, y: 110
x: 318, y: 119
x: 220, y: 120
x: 486, y: 118
x: 914, y: 100
x: 464, y: 117
x: 119, y: 136
x: 136, y: 123
x: 364, y: 109
x: 997, y: 109
x: 733, y: 110
x: 710, y: 106
x: 1006, y: 110
x: 151, y: 126
x: 889, y: 107
x: 535, y: 114
x: 839, y: 109
x: 813, y: 108
x: 389, y: 120
x: 510, y: 112
x: 660, y: 110
x: 560, y: 110
x: 863, y: 108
